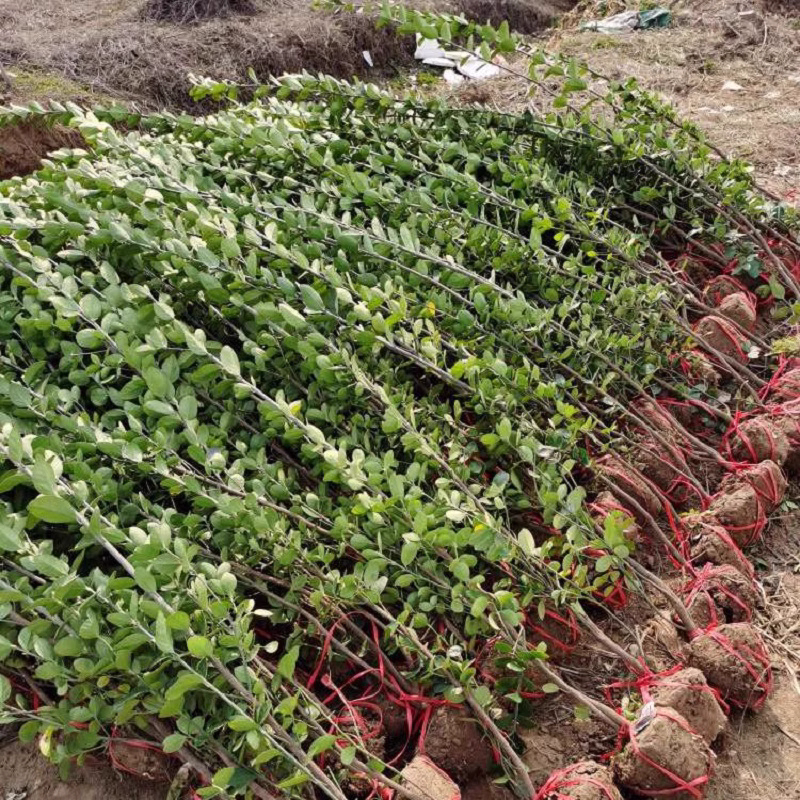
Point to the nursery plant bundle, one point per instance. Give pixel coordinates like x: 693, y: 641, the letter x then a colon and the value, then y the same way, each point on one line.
x: 307, y: 406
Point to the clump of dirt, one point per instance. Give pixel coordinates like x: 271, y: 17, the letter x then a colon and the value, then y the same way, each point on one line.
x: 788, y: 387
x: 586, y: 780
x: 149, y: 762
x: 734, y: 660
x: 629, y: 481
x: 690, y: 695
x: 718, y: 333
x: 663, y: 467
x: 739, y: 512
x: 26, y: 774
x: 428, y: 780
x: 759, y: 438
x: 455, y: 743
x: 711, y: 544
x: 662, y: 645
x: 766, y: 478
x: 739, y: 308
x: 720, y: 595
x: 23, y: 146
x: 665, y: 750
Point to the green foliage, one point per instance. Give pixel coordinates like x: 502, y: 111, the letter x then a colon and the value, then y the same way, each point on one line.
x: 327, y: 353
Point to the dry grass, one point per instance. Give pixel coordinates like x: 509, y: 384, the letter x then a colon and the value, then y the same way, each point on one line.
x: 109, y: 46
x: 709, y: 44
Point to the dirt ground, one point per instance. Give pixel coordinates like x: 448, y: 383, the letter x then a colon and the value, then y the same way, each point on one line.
x: 25, y: 775
x: 107, y: 47
x: 732, y: 66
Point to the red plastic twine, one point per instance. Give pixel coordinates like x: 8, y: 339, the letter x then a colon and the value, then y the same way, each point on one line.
x: 138, y: 744
x: 571, y: 632
x: 763, y: 678
x: 704, y: 583
x: 649, y: 680
x: 693, y: 787
x: 566, y: 779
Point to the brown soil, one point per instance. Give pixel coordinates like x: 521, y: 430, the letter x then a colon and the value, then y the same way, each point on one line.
x: 688, y: 693
x: 629, y: 481
x: 717, y: 332
x: 737, y: 512
x: 666, y: 742
x: 24, y: 773
x: 738, y: 308
x: 727, y: 657
x: 766, y: 478
x: 456, y: 744
x: 712, y: 546
x: 483, y: 788
x: 109, y: 46
x: 722, y: 594
x: 586, y: 780
x: 22, y: 147
x: 757, y: 439
x: 428, y: 780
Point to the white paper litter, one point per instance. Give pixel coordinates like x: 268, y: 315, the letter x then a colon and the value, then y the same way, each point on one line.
x: 452, y: 78
x: 478, y: 70
x: 367, y: 57
x: 431, y: 53
x: 732, y: 86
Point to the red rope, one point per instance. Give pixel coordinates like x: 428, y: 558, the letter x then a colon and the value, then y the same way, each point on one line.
x: 566, y: 779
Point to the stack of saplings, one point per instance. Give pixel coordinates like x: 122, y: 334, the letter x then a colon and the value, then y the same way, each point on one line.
x: 301, y: 407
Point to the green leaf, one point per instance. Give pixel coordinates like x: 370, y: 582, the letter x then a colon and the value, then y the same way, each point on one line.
x: 174, y: 742
x: 200, y: 647
x: 230, y: 361
x: 162, y: 634
x: 312, y: 299
x: 242, y: 724
x: 52, y: 509
x: 321, y: 745
x: 144, y: 579
x: 288, y: 662
x: 69, y: 646
x: 185, y: 682
x: 550, y: 688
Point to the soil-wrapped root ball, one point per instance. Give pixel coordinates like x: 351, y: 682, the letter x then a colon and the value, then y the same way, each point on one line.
x: 717, y: 595
x: 455, y: 742
x: 759, y: 438
x: 631, y: 482
x: 712, y: 544
x: 721, y: 335
x: 664, y: 757
x: 586, y: 780
x: 739, y: 308
x: 687, y: 691
x: 740, y: 512
x: 428, y: 780
x: 734, y: 660
x: 766, y: 478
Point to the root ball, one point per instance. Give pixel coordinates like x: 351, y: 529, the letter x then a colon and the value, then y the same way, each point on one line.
x: 688, y: 692
x: 734, y: 660
x: 665, y: 759
x: 455, y: 742
x: 586, y: 780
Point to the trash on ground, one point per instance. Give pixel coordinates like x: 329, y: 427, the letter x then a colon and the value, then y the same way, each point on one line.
x: 430, y: 52
x: 629, y: 21
x: 732, y: 86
